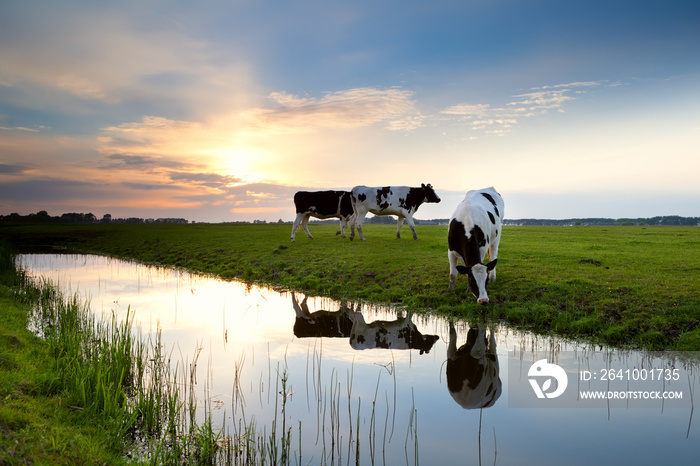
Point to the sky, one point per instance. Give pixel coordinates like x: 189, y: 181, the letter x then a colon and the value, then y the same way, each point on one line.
x: 220, y: 111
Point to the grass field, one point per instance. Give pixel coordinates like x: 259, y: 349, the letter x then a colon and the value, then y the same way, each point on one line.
x: 624, y: 286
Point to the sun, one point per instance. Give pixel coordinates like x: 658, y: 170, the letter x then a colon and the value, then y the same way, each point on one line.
x: 243, y: 163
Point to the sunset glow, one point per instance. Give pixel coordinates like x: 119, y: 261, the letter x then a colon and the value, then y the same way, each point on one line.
x: 220, y: 112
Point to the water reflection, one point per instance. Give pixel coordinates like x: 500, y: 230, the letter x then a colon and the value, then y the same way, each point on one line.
x: 398, y: 334
x: 473, y: 373
x: 397, y: 403
x: 329, y: 324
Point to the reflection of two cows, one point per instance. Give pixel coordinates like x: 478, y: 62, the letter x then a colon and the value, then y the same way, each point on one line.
x: 399, y: 334
x: 472, y: 369
x: 474, y: 228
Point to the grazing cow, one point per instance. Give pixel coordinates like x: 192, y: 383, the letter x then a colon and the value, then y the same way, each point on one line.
x: 402, y: 201
x: 322, y: 204
x: 475, y: 228
x: 331, y: 324
x: 399, y: 334
x: 472, y: 370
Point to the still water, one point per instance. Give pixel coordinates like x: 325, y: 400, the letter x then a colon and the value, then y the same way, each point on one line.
x: 440, y: 394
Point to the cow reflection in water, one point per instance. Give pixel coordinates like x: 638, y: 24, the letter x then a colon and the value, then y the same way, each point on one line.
x: 472, y: 370
x: 336, y: 324
x: 398, y: 334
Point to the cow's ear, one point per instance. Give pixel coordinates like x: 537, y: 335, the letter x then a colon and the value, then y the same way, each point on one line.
x: 491, y: 265
x: 422, y: 185
x: 464, y: 270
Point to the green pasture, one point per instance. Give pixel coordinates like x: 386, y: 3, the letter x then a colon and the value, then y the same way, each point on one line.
x: 625, y: 286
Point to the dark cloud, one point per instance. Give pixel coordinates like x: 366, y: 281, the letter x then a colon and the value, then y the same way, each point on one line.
x: 120, y: 161
x: 212, y: 180
x: 7, y: 169
x: 150, y: 186
x: 49, y: 190
x: 132, y: 160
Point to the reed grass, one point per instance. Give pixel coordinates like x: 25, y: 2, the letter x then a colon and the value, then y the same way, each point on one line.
x: 148, y: 395
x: 114, y: 374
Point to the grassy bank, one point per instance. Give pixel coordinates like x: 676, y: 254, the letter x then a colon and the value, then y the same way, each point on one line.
x: 38, y: 423
x: 634, y: 286
x: 78, y: 391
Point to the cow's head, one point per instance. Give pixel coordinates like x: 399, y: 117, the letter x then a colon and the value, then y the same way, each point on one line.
x: 426, y: 342
x: 478, y: 275
x: 430, y: 194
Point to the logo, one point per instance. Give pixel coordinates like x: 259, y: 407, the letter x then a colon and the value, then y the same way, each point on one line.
x: 543, y: 369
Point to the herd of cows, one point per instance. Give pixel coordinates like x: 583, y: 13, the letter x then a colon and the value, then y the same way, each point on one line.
x: 474, y: 228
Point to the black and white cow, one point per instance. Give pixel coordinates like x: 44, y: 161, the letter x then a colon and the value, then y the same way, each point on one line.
x: 329, y: 324
x: 322, y: 204
x: 473, y: 370
x: 399, y: 334
x: 475, y: 229
x: 402, y: 201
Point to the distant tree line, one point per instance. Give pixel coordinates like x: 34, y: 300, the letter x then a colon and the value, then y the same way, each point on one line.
x: 44, y: 217
x: 669, y: 220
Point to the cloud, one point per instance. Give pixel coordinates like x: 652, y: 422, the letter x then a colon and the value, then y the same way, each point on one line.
x: 351, y: 108
x: 22, y: 128
x: 9, y: 169
x: 498, y: 120
x: 51, y: 191
x: 157, y: 142
x: 253, y: 144
x: 540, y: 101
x: 116, y: 161
x: 150, y: 187
x: 83, y: 60
x: 211, y: 180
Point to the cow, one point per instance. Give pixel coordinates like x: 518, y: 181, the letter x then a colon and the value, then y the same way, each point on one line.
x: 331, y: 324
x: 472, y: 370
x: 402, y: 201
x: 399, y: 334
x: 475, y: 229
x: 322, y: 204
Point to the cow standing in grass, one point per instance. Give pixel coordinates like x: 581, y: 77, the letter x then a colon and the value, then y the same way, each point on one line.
x: 322, y: 204
x: 402, y: 201
x: 475, y: 229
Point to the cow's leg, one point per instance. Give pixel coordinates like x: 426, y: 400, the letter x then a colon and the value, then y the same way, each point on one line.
x: 452, y: 345
x: 352, y: 229
x: 301, y: 310
x: 493, y: 254
x: 351, y: 221
x: 399, y: 224
x: 343, y: 226
x: 478, y: 351
x: 360, y: 220
x: 412, y: 224
x: 295, y: 227
x: 304, y: 222
x: 453, y: 258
